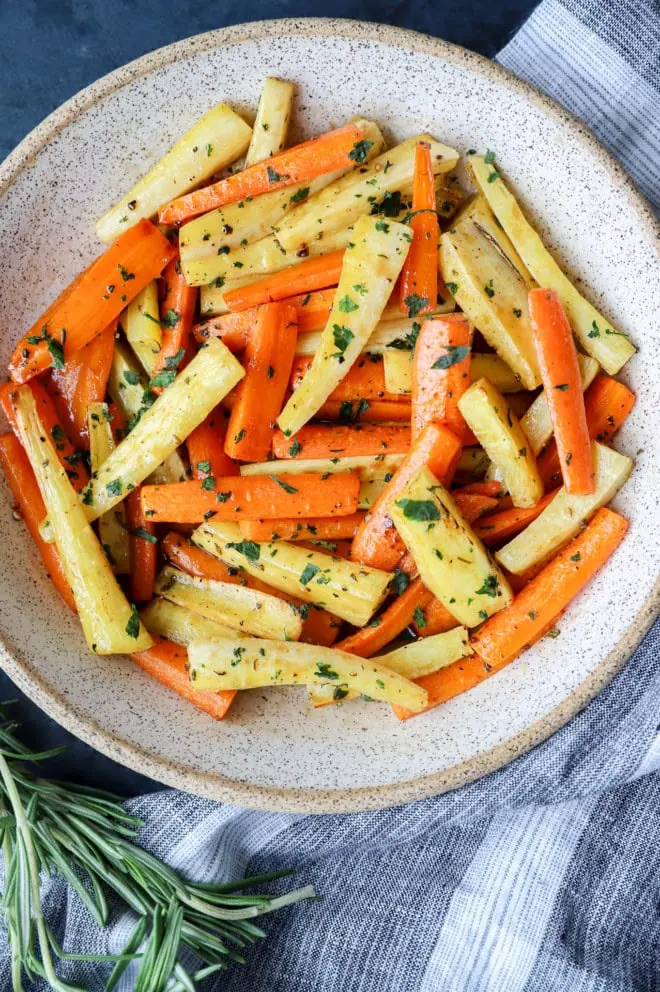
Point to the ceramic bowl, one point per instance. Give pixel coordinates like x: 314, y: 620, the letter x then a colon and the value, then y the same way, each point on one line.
x: 273, y: 751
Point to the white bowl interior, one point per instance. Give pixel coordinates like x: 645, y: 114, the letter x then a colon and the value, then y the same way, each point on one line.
x: 273, y: 749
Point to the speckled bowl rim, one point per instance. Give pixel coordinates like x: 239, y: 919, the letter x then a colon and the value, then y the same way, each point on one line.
x: 215, y: 785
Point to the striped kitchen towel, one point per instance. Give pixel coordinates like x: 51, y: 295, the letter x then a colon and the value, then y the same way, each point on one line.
x: 543, y: 876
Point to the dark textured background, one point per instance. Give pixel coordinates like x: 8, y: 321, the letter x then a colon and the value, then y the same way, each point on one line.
x: 49, y: 49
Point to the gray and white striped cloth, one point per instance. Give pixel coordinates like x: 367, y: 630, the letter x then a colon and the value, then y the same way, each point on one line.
x: 543, y: 876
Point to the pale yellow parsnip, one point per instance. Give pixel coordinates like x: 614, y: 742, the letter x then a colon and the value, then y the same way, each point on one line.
x: 498, y: 431
x: 248, y: 610
x: 223, y: 663
x: 109, y: 623
x: 112, y: 529
x: 181, y: 407
x: 217, y: 139
x: 372, y: 263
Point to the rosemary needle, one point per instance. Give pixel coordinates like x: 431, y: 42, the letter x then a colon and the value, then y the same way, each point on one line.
x: 86, y: 836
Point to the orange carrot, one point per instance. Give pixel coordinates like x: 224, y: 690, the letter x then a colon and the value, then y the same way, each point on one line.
x: 418, y: 285
x: 143, y: 548
x: 473, y: 505
x: 370, y: 411
x: 70, y: 459
x: 93, y: 301
x: 252, y: 497
x: 319, y: 626
x: 317, y: 529
x: 83, y: 380
x: 607, y: 403
x: 399, y: 615
x: 493, y: 489
x: 534, y: 611
x: 365, y: 380
x: 324, y: 441
x: 504, y: 635
x: 377, y: 543
x: 436, y: 620
x: 168, y: 662
x: 313, y: 308
x: 206, y: 448
x: 329, y: 152
x: 560, y: 372
x: 260, y: 395
x: 496, y: 528
x: 177, y: 310
x: 27, y: 496
x: 338, y: 549
x: 233, y: 329
x: 441, y: 374
x: 304, y: 277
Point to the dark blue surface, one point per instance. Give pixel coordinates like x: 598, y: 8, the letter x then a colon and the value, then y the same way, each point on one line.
x: 52, y: 48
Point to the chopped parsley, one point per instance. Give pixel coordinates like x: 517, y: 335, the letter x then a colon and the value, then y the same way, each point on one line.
x: 325, y: 671
x: 342, y: 337
x: 132, y: 377
x: 419, y: 618
x: 125, y: 274
x: 145, y: 535
x: 295, y: 449
x: 382, y: 226
x: 208, y: 483
x: 274, y: 176
x: 454, y: 353
x: 250, y: 549
x: 308, y: 573
x: 114, y: 488
x: 418, y: 509
x: 415, y: 304
x: 401, y: 581
x: 452, y: 287
x: 133, y: 626
x: 301, y: 195
x: 489, y: 588
x: 347, y: 305
x: 360, y: 150
x: 285, y: 485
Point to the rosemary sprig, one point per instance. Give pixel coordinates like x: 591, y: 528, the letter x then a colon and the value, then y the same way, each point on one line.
x: 86, y: 836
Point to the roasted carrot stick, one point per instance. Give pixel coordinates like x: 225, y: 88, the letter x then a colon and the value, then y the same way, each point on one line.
x: 260, y: 394
x: 500, y: 526
x: 31, y: 507
x: 560, y: 372
x: 502, y: 638
x: 233, y: 329
x: 473, y: 505
x: 607, y: 403
x: 206, y: 448
x: 82, y: 381
x: 338, y: 549
x: 71, y: 459
x: 317, y: 529
x: 440, y: 374
x: 177, y: 310
x: 93, y: 301
x: 304, y: 277
x: 399, y: 615
x: 313, y: 308
x: 324, y: 441
x: 377, y: 543
x: 534, y: 611
x: 369, y: 411
x: 418, y: 284
x: 328, y: 152
x: 319, y: 626
x: 168, y: 663
x: 365, y: 380
x: 493, y: 489
x: 435, y: 619
x: 252, y: 497
x: 143, y: 548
